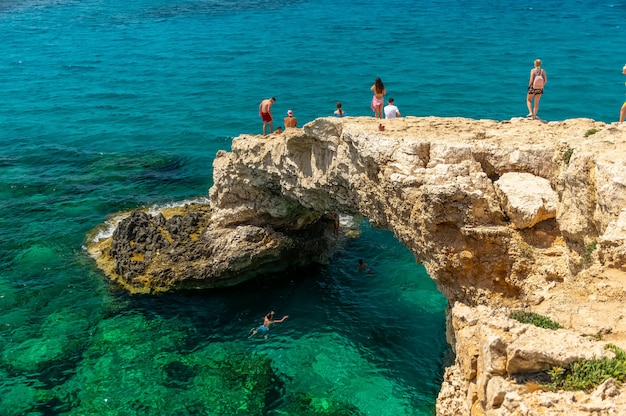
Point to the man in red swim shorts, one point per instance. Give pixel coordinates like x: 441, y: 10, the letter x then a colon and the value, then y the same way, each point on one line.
x: 265, y: 111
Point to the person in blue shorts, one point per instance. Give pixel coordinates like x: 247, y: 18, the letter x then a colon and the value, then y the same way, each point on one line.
x: 267, y: 321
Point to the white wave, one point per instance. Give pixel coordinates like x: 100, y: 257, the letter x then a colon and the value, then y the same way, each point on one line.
x: 154, y: 209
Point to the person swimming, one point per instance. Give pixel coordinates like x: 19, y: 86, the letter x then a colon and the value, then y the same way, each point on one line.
x: 363, y: 266
x: 268, y: 319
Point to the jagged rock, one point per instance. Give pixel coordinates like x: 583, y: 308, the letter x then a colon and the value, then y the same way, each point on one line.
x: 452, y: 399
x: 497, y: 389
x: 539, y: 349
x: 149, y: 254
x: 527, y: 199
x: 505, y: 350
x: 612, y: 250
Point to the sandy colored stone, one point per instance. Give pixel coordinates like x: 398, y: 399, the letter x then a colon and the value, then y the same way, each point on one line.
x: 527, y: 199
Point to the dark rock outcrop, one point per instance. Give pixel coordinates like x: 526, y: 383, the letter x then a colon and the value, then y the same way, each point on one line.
x: 151, y: 253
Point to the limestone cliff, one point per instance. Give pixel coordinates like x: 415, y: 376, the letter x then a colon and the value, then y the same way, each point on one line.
x: 514, y: 214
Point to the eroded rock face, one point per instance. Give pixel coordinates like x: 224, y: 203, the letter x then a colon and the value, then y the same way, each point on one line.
x: 527, y: 199
x: 149, y: 253
x: 613, y: 242
x: 494, y: 352
x: 486, y: 206
x: 502, y: 214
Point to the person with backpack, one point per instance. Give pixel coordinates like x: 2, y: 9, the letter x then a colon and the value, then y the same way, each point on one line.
x: 538, y: 78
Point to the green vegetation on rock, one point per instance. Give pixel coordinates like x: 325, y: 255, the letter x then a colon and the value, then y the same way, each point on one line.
x: 589, y: 249
x: 567, y: 155
x: 534, y: 319
x: 588, y: 374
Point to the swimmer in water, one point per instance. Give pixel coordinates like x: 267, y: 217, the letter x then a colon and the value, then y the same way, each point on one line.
x: 267, y: 321
x: 363, y: 266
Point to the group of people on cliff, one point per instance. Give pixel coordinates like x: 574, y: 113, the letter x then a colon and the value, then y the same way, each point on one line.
x: 390, y: 110
x: 536, y: 84
x: 265, y: 111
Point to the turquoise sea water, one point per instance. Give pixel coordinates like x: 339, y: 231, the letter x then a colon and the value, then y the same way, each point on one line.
x: 110, y: 105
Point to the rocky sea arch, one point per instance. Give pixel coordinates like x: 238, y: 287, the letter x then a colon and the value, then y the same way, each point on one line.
x: 503, y: 215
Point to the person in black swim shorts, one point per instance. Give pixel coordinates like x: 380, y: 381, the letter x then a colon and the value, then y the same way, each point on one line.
x: 538, y: 78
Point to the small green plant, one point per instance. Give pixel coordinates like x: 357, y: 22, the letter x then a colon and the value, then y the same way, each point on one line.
x: 588, y: 374
x: 534, y: 319
x: 526, y: 250
x: 598, y: 336
x: 589, y: 249
x: 557, y: 375
x: 567, y: 155
x: 620, y: 354
x: 590, y: 132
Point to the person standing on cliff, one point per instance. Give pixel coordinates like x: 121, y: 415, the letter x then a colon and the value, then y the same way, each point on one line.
x: 265, y: 111
x: 622, y: 112
x: 538, y: 78
x: 267, y: 321
x: 290, y: 120
x: 377, y: 100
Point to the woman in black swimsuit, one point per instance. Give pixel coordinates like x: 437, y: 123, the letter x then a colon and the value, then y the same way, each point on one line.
x: 533, y: 92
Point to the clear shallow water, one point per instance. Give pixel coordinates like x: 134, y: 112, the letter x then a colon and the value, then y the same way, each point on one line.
x: 109, y: 105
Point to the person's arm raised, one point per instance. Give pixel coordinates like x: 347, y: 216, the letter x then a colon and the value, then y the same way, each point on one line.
x: 283, y: 318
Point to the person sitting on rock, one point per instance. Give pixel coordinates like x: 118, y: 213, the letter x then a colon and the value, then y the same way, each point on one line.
x: 290, y: 120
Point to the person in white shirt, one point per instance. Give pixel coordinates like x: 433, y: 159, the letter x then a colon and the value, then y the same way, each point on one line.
x: 391, y: 111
